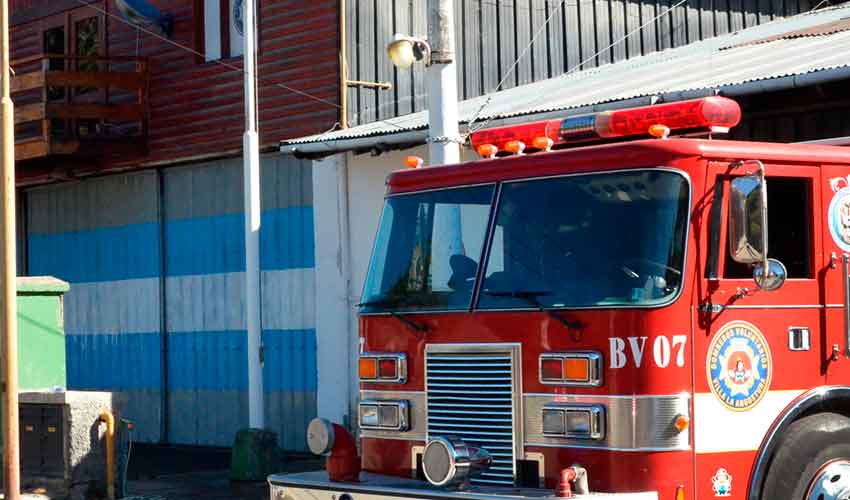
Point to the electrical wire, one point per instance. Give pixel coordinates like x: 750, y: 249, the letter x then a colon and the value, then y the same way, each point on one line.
x: 225, y: 64
x: 470, y: 129
x: 203, y: 55
x: 515, y: 63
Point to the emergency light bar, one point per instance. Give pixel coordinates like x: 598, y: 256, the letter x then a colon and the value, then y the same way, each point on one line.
x: 715, y: 114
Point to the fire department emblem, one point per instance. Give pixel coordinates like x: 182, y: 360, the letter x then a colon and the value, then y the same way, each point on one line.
x: 739, y: 366
x: 839, y: 218
x: 721, y: 483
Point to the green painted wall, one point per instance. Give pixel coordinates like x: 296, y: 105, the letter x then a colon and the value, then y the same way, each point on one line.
x: 41, y: 333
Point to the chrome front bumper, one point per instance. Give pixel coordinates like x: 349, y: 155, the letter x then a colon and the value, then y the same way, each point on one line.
x: 316, y: 486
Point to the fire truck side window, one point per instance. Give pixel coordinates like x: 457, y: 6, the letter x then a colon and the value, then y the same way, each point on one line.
x: 789, y: 215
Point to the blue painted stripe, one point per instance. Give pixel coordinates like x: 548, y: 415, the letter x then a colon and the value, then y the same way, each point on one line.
x: 210, y: 245
x: 218, y: 360
x: 290, y: 361
x: 108, y: 254
x: 196, y: 361
x: 113, y: 362
x: 196, y: 246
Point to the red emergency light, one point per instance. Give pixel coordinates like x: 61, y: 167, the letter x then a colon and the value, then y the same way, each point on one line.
x: 716, y: 114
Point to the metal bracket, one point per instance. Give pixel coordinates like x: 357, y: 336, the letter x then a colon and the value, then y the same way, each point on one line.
x: 369, y: 85
x: 711, y: 308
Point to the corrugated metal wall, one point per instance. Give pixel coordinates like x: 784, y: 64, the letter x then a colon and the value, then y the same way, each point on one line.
x: 491, y: 34
x: 103, y: 236
x: 163, y: 252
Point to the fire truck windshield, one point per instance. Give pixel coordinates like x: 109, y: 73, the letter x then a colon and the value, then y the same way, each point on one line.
x: 590, y: 240
x: 594, y: 240
x: 427, y: 250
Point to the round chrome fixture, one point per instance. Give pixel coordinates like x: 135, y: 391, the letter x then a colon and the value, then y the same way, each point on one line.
x: 447, y: 461
x: 320, y: 436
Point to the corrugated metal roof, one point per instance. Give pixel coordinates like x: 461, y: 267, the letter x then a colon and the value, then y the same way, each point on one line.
x: 819, y: 30
x: 701, y: 66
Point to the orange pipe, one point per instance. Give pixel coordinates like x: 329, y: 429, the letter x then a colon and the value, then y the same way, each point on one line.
x: 107, y: 417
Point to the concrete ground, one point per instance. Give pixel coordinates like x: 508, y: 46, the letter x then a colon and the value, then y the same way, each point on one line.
x: 183, y: 473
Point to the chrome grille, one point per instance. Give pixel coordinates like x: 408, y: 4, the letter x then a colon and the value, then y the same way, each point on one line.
x: 470, y: 396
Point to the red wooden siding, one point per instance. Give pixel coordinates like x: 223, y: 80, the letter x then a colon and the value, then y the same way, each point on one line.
x: 196, y: 108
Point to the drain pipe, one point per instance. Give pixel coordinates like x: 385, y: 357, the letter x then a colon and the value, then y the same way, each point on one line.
x: 107, y: 418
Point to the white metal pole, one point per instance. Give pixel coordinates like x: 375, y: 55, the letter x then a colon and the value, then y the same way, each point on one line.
x: 443, y: 136
x: 251, y: 180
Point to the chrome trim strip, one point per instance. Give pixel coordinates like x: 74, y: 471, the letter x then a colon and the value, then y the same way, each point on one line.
x: 845, y: 260
x: 811, y: 399
x: 778, y: 306
x: 632, y: 422
x: 594, y: 447
x: 317, y: 486
x: 416, y: 401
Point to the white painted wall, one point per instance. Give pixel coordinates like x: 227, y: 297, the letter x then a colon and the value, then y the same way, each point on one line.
x: 335, y: 342
x: 348, y: 194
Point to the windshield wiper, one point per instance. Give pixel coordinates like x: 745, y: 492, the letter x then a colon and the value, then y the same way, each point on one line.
x: 533, y: 298
x: 387, y: 304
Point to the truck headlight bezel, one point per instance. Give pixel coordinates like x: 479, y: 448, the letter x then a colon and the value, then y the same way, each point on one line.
x: 383, y: 367
x: 384, y: 415
x: 574, y: 421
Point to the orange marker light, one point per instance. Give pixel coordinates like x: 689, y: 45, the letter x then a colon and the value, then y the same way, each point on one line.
x: 681, y: 423
x: 368, y: 368
x: 680, y: 493
x: 487, y: 151
x: 515, y: 147
x: 658, y: 130
x: 543, y: 143
x: 413, y: 161
x: 576, y: 369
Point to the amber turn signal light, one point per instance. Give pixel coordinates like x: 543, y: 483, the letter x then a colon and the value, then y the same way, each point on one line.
x: 658, y: 130
x: 543, y: 143
x: 413, y: 161
x: 368, y: 368
x: 682, y: 423
x: 487, y: 151
x: 515, y: 147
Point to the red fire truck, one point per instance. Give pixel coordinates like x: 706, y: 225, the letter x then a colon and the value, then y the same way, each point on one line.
x: 607, y: 320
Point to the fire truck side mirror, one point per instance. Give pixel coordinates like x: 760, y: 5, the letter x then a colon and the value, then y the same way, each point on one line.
x: 748, y: 220
x: 748, y: 229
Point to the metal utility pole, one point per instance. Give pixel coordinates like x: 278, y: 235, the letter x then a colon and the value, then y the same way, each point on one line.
x: 251, y: 180
x: 443, y: 136
x: 11, y: 454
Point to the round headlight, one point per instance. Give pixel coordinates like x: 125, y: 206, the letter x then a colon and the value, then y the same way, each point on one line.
x: 447, y: 461
x: 320, y: 436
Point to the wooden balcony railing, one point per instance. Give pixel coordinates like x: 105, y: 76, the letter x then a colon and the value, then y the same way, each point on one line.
x: 84, y: 106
